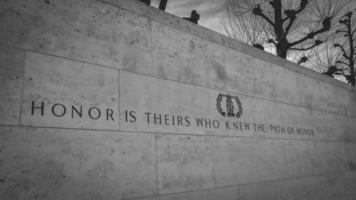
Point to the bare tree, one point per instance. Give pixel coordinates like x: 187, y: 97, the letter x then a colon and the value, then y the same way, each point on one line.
x: 325, y: 55
x: 247, y: 29
x: 348, y: 48
x: 291, y: 25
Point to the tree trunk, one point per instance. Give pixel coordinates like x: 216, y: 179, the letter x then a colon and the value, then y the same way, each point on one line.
x: 163, y: 4
x: 282, y: 52
x: 282, y: 48
x: 352, y: 53
x: 352, y: 74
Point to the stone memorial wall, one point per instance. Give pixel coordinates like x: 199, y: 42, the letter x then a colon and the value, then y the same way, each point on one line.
x: 112, y: 99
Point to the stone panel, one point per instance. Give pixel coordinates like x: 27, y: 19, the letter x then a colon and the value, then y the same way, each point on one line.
x: 259, y: 191
x: 301, y: 188
x: 11, y: 78
x: 248, y: 160
x: 349, y: 150
x: 299, y: 155
x: 306, y: 158
x: 70, y: 94
x: 239, y: 71
x: 328, y: 158
x: 187, y: 58
x: 328, y: 187
x: 339, y: 127
x: 148, y: 97
x: 284, y: 82
x: 90, y: 31
x: 184, y: 163
x: 40, y: 163
x: 351, y: 99
x: 339, y: 186
x: 263, y: 85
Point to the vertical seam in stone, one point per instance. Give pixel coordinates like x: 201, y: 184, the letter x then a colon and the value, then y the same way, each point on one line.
x: 118, y: 96
x: 213, y: 159
x: 22, y: 87
x: 238, y: 193
x: 284, y: 143
x: 156, y: 163
x: 150, y: 26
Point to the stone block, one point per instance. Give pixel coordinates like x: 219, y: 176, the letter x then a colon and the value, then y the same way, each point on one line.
x: 184, y: 163
x: 349, y: 150
x: 334, y: 126
x: 323, y: 96
x: 299, y: 188
x: 299, y: 155
x: 262, y: 84
x: 327, y: 99
x: 41, y: 163
x: 308, y: 158
x: 184, y: 57
x: 339, y: 186
x: 239, y: 70
x: 248, y: 160
x: 258, y: 191
x: 328, y: 158
x: 64, y: 93
x: 351, y: 98
x: 90, y: 31
x: 11, y: 80
x: 285, y: 83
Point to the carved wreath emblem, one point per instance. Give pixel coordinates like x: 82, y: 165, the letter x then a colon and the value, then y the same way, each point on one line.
x: 231, y: 110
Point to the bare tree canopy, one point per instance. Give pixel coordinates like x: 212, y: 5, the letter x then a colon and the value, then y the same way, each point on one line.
x: 283, y: 25
x: 348, y: 48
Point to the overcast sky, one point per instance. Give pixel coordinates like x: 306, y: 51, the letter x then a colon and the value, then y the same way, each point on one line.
x: 210, y: 11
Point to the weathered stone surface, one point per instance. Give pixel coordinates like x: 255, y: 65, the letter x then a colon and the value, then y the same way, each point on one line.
x: 350, y: 99
x: 299, y: 158
x: 240, y: 78
x: 306, y: 158
x: 300, y: 188
x: 248, y: 160
x: 184, y: 163
x: 11, y: 77
x: 169, y: 49
x: 328, y: 187
x: 59, y: 85
x: 349, y: 150
x: 187, y: 58
x: 265, y: 191
x: 90, y: 31
x: 339, y: 186
x: 41, y: 163
x: 148, y: 97
x: 157, y: 77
